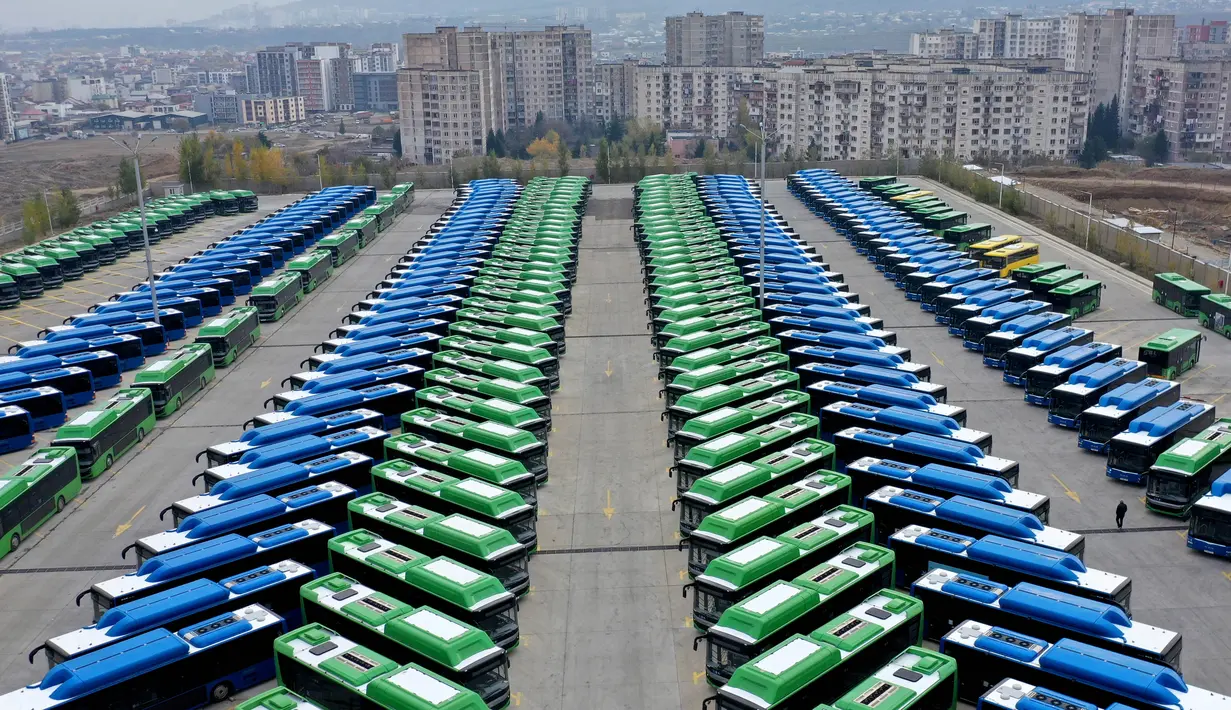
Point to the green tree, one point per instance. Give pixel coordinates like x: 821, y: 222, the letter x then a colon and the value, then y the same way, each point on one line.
x: 602, y: 164
x: 669, y: 163
x: 397, y: 143
x: 563, y: 154
x: 192, y: 161
x: 699, y: 151
x: 34, y: 222
x: 388, y: 174
x: 342, y: 127
x: 491, y: 165
x: 127, y: 183
x: 264, y: 139
x: 1092, y: 153
x: 1160, y: 148
x: 64, y: 210
x: 377, y: 135
x: 615, y: 130
x: 361, y: 171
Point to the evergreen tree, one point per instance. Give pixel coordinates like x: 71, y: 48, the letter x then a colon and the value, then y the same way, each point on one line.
x: 1161, y: 148
x: 602, y: 164
x: 65, y: 211
x: 491, y: 165
x: 501, y: 144
x: 264, y: 139
x: 397, y: 143
x: 615, y: 130
x: 127, y: 182
x: 342, y: 127
x: 563, y: 154
x: 1093, y: 152
x: 699, y: 151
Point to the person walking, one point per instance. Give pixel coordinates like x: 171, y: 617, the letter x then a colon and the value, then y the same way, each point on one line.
x: 1120, y: 511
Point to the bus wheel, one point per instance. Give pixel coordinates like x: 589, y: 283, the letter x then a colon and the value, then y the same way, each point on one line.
x: 59, y: 503
x: 204, y: 382
x: 221, y: 692
x: 14, y: 541
x: 140, y: 434
x: 110, y: 460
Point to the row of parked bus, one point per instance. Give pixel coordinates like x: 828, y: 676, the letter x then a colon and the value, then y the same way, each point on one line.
x: 806, y: 512
x: 66, y: 367
x: 29, y: 272
x: 1127, y: 409
x: 394, y: 562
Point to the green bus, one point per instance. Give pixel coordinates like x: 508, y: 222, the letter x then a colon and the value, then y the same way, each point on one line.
x: 452, y: 648
x: 943, y: 221
x: 1171, y: 354
x: 1182, y: 473
x: 752, y: 566
x: 475, y: 544
x: 33, y: 491
x: 100, y: 436
x: 739, y: 417
x: 685, y: 382
x: 10, y: 293
x: 765, y: 619
x: 821, y: 666
x: 1041, y: 285
x: 918, y: 679
x: 383, y: 215
x: 445, y: 585
x: 278, y: 699
x: 1214, y: 312
x: 177, y: 378
x: 274, y: 297
x: 341, y: 246
x: 1178, y: 294
x: 510, y: 442
x: 1077, y: 298
x: 313, y: 268
x: 248, y: 201
x: 231, y: 334
x: 723, y: 355
x: 480, y: 366
x: 29, y: 280
x: 498, y: 387
x: 529, y: 355
x: 363, y: 227
x: 870, y: 182
x: 489, y: 408
x: 324, y: 666
x: 472, y: 463
x: 730, y: 448
x: 500, y: 334
x: 469, y: 496
x: 1022, y: 276
x: 963, y: 235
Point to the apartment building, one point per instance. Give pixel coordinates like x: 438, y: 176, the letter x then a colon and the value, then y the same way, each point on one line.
x: 613, y: 89
x: 451, y: 93
x: 219, y: 107
x: 1214, y: 32
x: 376, y: 91
x: 1108, y: 47
x: 947, y: 43
x: 7, y: 127
x: 272, y: 110
x: 317, y: 85
x: 321, y: 71
x: 864, y: 109
x: 733, y: 39
x: 1186, y: 99
x: 275, y: 72
x: 548, y: 71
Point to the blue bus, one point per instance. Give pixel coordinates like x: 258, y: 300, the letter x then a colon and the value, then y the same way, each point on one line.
x: 16, y: 429
x: 45, y: 405
x: 347, y: 468
x: 826, y: 392
x: 896, y: 508
x: 841, y: 415
x: 1209, y: 524
x: 75, y: 383
x: 797, y: 338
x: 975, y: 329
x: 390, y: 400
x: 127, y: 348
x: 352, y: 333
x: 960, y: 294
x: 325, y: 502
x: 319, y: 381
x: 914, y: 281
x: 871, y: 474
x: 1087, y: 385
x: 204, y: 663
x: 348, y: 348
x: 988, y: 654
x: 920, y: 548
x: 291, y: 426
x: 275, y: 587
x: 858, y: 356
x: 857, y: 442
x: 1034, y: 349
x: 945, y: 283
x: 952, y: 597
x: 812, y: 372
x: 368, y: 441
x: 304, y: 542
x: 1132, y: 452
x: 1115, y: 410
x: 153, y: 335
x: 832, y: 325
x: 334, y: 363
x: 976, y: 304
x: 1013, y: 694
x: 999, y: 343
x: 1058, y: 366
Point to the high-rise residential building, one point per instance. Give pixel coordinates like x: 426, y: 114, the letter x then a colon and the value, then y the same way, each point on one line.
x: 253, y: 79
x: 7, y: 127
x: 868, y: 108
x: 219, y: 107
x: 316, y: 85
x: 327, y: 67
x: 376, y: 91
x: 733, y: 39
x: 945, y: 44
x: 451, y: 93
x: 1214, y: 32
x: 613, y: 89
x: 275, y: 71
x: 1108, y: 47
x: 380, y: 57
x: 548, y: 71
x: 270, y: 110
x: 1186, y: 100
x: 1018, y: 37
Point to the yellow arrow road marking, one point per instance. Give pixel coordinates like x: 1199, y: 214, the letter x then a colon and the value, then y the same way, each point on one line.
x: 937, y: 358
x: 265, y: 383
x: 609, y: 511
x: 123, y: 527
x: 697, y: 677
x: 608, y: 371
x: 1067, y: 491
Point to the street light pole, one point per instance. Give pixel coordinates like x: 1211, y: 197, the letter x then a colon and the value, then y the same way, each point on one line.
x: 135, y: 150
x: 1000, y: 194
x: 1089, y: 213
x: 763, y: 139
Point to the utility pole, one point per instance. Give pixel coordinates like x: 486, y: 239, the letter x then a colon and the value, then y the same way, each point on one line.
x: 763, y: 139
x: 51, y: 227
x: 1089, y: 212
x: 1000, y: 193
x: 135, y: 150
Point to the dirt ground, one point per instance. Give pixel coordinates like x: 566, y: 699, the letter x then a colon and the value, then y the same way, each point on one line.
x: 1199, y: 199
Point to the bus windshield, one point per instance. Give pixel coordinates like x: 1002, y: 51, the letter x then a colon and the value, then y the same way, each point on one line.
x: 1170, y: 487
x: 1212, y: 525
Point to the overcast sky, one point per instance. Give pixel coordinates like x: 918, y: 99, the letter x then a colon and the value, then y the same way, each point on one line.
x: 22, y: 14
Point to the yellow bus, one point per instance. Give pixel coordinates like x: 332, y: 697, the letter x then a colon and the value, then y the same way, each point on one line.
x: 910, y: 196
x: 978, y: 249
x: 1011, y: 257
